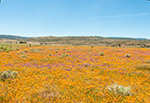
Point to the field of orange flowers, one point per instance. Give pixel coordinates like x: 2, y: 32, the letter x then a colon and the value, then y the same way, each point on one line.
x: 75, y: 74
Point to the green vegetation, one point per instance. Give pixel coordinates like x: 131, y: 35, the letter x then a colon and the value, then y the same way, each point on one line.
x: 6, y: 48
x: 120, y: 90
x: 24, y: 56
x: 127, y: 55
x: 79, y: 41
x: 143, y: 67
x: 8, y: 74
x: 49, y: 54
x: 101, y: 54
x: 65, y: 55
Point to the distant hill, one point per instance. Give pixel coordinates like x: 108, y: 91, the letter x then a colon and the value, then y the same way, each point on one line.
x: 12, y: 37
x: 67, y: 38
x: 53, y: 38
x: 128, y: 38
x: 90, y: 40
x: 83, y: 40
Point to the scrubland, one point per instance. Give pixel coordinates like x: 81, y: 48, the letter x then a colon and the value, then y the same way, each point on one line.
x: 75, y: 74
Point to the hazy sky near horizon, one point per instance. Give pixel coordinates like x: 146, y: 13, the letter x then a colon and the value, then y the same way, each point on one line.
x: 107, y: 18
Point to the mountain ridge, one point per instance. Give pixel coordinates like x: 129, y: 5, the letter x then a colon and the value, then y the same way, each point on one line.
x: 3, y: 36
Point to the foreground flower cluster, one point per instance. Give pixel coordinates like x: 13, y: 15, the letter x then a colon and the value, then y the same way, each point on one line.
x: 66, y: 74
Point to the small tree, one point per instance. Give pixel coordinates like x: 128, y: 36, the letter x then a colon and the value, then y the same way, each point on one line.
x: 22, y: 42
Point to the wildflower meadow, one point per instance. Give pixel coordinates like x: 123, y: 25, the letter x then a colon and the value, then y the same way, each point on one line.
x: 74, y: 74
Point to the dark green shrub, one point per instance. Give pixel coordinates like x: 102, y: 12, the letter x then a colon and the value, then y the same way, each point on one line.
x: 7, y: 50
x: 127, y: 55
x: 17, y: 49
x: 22, y: 42
x: 25, y: 50
x: 49, y: 54
x: 1, y: 47
x: 24, y: 56
x: 30, y: 45
x: 64, y: 55
x: 101, y: 54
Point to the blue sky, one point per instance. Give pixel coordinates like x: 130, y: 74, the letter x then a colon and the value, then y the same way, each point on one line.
x: 107, y: 18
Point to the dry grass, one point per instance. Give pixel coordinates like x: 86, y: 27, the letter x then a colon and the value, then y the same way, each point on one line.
x: 147, y: 61
x: 143, y: 67
x: 49, y: 91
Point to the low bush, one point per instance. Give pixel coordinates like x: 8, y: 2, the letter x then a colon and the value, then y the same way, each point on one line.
x: 127, y: 55
x: 24, y: 56
x: 65, y: 55
x: 49, y: 54
x: 8, y: 74
x: 101, y: 54
x: 120, y: 90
